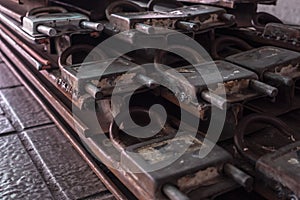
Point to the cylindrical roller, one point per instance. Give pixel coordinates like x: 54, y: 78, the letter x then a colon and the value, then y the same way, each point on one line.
x: 263, y: 88
x: 93, y: 91
x: 92, y: 25
x: 279, y: 78
x: 214, y: 99
x: 188, y: 26
x: 227, y: 17
x: 174, y: 193
x: 144, y: 28
x: 150, y: 83
x: 46, y: 30
x: 239, y: 176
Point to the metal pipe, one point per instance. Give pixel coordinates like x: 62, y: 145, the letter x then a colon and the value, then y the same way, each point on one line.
x: 92, y: 25
x: 10, y: 13
x: 15, y: 26
x: 93, y: 91
x: 46, y: 30
x: 174, y: 193
x: 239, y: 176
x: 263, y: 88
x: 46, y: 63
x: 227, y: 17
x: 214, y: 99
x: 144, y: 28
x: 20, y: 50
x: 188, y: 26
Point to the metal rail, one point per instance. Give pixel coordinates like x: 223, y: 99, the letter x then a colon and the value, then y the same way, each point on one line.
x: 42, y: 97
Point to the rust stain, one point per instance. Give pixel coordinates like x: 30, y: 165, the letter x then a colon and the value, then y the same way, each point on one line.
x: 205, y: 177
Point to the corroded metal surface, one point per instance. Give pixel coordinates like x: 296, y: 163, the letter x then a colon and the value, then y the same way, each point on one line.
x: 19, y: 177
x: 275, y: 80
x: 283, y: 166
x: 66, y: 173
x: 22, y: 109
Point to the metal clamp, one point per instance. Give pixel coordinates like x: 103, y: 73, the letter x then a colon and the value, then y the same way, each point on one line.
x: 225, y: 41
x: 114, y: 130
x: 49, y: 9
x: 152, y: 3
x: 125, y: 6
x: 62, y: 60
x: 174, y: 193
x: 261, y: 19
x: 255, y: 118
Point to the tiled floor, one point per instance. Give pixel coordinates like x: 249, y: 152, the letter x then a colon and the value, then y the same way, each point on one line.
x: 37, y: 161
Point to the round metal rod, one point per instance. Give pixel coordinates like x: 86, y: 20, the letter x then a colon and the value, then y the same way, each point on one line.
x: 46, y: 30
x: 239, y: 176
x: 173, y: 193
x: 264, y: 88
x: 214, y: 99
x: 92, y: 25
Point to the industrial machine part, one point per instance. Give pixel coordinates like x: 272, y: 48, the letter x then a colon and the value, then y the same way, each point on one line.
x: 16, y: 9
x: 271, y: 32
x: 191, y: 18
x: 38, y: 23
x: 245, y: 11
x: 251, y: 80
x: 266, y: 60
x: 96, y: 77
x: 275, y: 66
x: 199, y: 88
x: 284, y: 32
x: 122, y: 7
x: 142, y: 161
x: 224, y: 46
x: 229, y: 3
x: 280, y: 165
x: 239, y: 84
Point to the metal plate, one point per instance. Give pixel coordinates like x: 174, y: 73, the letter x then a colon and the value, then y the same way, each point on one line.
x: 30, y: 23
x: 194, y: 83
x: 265, y: 59
x: 283, y: 166
x: 78, y: 76
x: 155, y: 152
x: 228, y: 3
x: 282, y: 32
x: 198, y: 13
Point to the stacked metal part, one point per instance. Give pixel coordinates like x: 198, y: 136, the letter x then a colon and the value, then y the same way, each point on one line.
x: 256, y: 55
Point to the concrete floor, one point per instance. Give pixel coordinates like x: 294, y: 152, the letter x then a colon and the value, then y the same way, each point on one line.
x: 286, y: 10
